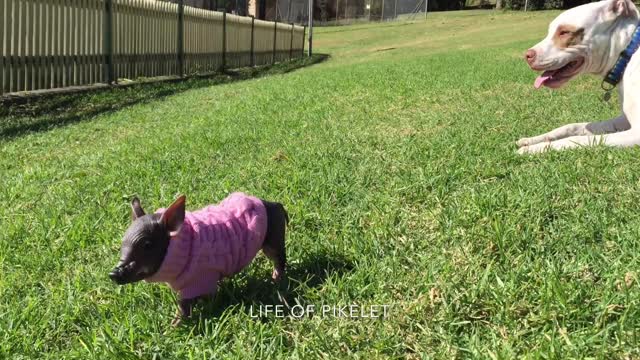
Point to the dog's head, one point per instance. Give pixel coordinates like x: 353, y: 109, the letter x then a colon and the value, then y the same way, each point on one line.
x: 146, y: 241
x: 582, y: 40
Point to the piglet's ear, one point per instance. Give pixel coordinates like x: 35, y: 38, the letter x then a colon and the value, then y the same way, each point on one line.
x: 136, y: 209
x: 622, y: 8
x: 173, y: 217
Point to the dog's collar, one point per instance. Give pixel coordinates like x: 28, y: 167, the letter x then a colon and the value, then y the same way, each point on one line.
x: 615, y: 75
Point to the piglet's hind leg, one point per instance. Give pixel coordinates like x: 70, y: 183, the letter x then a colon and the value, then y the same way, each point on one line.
x: 274, y: 243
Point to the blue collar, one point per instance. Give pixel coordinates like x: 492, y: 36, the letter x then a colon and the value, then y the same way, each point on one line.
x: 615, y: 75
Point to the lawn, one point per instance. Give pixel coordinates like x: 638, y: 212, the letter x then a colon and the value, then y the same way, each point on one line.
x: 396, y: 161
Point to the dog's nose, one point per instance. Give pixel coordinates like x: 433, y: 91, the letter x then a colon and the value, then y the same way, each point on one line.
x: 530, y: 56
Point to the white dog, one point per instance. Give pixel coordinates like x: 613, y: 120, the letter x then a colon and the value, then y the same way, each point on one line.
x: 599, y: 38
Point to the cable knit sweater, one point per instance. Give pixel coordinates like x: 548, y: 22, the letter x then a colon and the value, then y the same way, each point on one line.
x: 215, y: 242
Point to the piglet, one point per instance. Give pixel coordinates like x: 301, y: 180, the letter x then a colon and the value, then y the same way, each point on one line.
x: 192, y: 251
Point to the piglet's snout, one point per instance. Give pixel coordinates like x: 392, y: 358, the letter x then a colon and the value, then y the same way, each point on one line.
x: 116, y: 274
x: 119, y: 273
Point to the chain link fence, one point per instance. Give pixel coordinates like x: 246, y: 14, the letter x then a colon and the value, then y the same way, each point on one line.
x: 344, y: 12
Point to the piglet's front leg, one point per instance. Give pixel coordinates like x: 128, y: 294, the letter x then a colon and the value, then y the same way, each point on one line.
x: 185, y: 307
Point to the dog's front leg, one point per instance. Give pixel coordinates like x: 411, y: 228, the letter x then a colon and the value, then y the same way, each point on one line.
x: 626, y: 138
x: 578, y: 129
x: 630, y: 137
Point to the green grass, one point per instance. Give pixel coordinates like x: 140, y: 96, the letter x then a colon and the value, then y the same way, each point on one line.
x: 396, y: 161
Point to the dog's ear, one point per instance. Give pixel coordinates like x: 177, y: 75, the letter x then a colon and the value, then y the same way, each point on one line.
x: 173, y: 217
x: 136, y: 209
x: 622, y: 8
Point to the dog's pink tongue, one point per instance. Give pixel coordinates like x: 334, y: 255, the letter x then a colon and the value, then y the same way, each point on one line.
x: 542, y: 79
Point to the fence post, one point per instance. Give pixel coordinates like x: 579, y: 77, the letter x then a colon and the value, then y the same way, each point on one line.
x: 181, y: 37
x: 426, y: 9
x: 224, y: 40
x: 304, y: 38
x: 291, y: 44
x: 346, y: 9
x: 311, y: 27
x: 253, y: 55
x: 275, y: 38
x: 108, y: 42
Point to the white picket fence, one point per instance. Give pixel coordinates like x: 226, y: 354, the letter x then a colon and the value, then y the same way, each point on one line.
x: 51, y: 44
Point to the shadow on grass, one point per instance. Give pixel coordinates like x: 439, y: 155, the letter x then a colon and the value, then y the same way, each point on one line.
x: 311, y: 273
x: 19, y: 116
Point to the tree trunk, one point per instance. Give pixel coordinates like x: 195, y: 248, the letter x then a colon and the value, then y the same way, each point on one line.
x: 498, y: 4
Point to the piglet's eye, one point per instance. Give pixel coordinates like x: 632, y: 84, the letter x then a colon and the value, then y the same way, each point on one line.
x: 148, y: 245
x: 565, y: 32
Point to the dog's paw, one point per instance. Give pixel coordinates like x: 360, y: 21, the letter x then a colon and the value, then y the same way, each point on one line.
x: 522, y: 150
x: 523, y: 142
x: 535, y: 149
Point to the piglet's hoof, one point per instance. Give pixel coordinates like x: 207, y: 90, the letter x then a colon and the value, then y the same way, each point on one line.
x: 275, y: 276
x: 177, y: 321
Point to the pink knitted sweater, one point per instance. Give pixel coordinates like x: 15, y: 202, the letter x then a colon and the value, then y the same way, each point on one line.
x: 214, y: 242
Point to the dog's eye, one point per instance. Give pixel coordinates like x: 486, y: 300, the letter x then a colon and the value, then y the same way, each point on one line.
x: 148, y: 245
